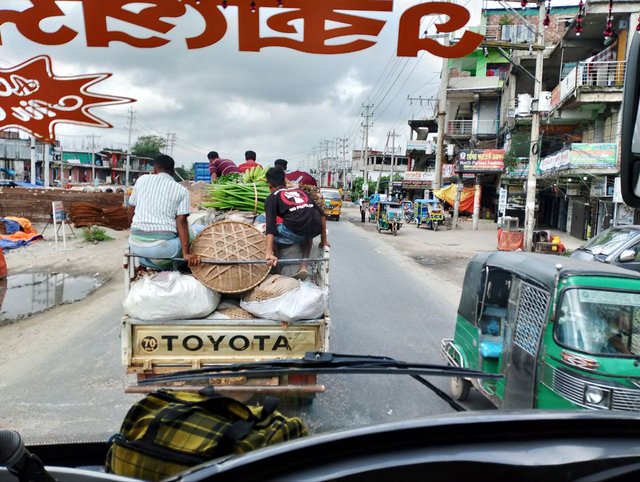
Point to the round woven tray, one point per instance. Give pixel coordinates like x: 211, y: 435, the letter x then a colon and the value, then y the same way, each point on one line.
x: 227, y: 241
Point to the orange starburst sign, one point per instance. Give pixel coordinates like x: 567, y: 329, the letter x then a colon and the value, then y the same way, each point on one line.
x: 35, y: 100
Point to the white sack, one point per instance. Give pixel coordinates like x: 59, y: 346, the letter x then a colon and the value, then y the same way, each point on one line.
x: 308, y: 302
x: 170, y: 295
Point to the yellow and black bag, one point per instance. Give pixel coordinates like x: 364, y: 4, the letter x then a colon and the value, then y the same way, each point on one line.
x: 168, y: 432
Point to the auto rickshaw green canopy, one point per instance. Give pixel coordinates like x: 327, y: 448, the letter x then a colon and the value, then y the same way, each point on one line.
x: 539, y: 269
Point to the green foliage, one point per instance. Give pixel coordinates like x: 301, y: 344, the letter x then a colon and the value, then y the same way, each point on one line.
x: 358, y: 182
x: 95, y: 234
x: 185, y: 174
x: 506, y: 20
x: 149, y: 146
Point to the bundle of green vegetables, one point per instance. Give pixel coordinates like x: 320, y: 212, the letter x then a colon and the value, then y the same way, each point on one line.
x: 241, y: 196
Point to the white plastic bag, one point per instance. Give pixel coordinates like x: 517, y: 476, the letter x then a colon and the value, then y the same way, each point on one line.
x: 308, y: 302
x: 170, y: 295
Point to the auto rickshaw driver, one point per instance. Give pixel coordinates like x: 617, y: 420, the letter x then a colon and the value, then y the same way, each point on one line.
x: 620, y: 327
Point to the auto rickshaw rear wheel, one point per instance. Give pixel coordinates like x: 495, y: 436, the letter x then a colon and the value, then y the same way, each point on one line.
x: 435, y: 225
x: 459, y: 388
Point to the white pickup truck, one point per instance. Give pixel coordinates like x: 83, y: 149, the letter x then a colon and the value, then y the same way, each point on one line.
x: 160, y: 347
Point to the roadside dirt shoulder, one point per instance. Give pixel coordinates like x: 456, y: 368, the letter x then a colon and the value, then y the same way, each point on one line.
x: 79, y: 257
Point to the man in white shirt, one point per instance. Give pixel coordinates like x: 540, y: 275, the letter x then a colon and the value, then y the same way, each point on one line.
x: 158, y: 210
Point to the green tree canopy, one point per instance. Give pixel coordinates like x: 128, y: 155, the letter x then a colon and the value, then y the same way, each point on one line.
x: 185, y: 174
x: 149, y: 146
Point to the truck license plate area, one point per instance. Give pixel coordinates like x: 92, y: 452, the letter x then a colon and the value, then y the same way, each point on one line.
x: 159, y: 342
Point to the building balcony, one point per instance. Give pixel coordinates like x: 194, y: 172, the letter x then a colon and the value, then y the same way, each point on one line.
x: 590, y: 82
x: 468, y: 128
x: 463, y: 87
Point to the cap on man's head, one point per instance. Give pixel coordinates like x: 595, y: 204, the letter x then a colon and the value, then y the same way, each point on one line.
x: 281, y: 163
x: 213, y: 155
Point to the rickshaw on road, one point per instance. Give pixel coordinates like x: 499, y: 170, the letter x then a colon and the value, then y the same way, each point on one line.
x: 563, y: 333
x: 389, y: 216
x: 409, y: 214
x: 429, y: 212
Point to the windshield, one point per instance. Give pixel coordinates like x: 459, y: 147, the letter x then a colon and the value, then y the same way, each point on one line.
x: 157, y: 137
x: 610, y: 240
x: 600, y: 322
x: 331, y: 195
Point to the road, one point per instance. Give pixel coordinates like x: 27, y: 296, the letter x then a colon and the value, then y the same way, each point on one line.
x: 62, y: 377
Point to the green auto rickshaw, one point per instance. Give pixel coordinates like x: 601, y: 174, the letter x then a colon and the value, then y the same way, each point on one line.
x: 564, y: 333
x: 389, y: 216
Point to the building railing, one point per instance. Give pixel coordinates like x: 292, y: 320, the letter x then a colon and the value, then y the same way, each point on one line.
x: 460, y: 127
x: 601, y: 74
x: 466, y: 127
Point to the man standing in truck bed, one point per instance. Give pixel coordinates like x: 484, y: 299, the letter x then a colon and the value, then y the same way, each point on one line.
x: 158, y: 210
x: 220, y: 167
x: 302, y: 219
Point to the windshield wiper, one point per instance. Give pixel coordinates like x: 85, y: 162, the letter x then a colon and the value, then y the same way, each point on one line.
x: 321, y: 363
x: 330, y: 363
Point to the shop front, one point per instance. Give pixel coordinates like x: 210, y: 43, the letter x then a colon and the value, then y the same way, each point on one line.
x: 486, y: 166
x: 576, y: 189
x: 416, y: 184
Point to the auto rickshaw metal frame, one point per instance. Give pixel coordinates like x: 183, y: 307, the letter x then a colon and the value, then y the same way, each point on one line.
x: 509, y: 317
x: 389, y: 216
x: 426, y: 213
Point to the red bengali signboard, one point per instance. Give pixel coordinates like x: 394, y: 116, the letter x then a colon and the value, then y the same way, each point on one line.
x: 33, y: 99
x: 479, y: 161
x: 261, y: 23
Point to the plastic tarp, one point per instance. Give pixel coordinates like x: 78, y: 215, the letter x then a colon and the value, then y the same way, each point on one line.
x: 510, y: 240
x: 170, y: 295
x: 19, y: 231
x: 448, y: 194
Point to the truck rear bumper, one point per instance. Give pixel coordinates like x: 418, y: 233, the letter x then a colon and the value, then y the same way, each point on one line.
x: 238, y: 389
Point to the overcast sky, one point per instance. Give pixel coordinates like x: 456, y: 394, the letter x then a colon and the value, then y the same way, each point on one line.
x: 278, y: 102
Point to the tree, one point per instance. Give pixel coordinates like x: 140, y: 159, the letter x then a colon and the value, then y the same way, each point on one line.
x: 184, y: 174
x: 149, y: 146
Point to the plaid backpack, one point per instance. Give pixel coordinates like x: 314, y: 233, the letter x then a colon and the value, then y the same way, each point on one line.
x: 168, y: 432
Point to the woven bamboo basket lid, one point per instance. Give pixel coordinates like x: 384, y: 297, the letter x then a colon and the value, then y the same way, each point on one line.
x: 230, y: 241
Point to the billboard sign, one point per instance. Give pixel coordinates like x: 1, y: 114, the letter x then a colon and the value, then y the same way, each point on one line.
x: 480, y: 161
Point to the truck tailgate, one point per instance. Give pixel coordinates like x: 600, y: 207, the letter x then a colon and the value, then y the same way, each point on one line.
x: 158, y: 346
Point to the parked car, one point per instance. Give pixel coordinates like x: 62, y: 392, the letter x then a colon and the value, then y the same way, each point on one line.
x: 619, y: 246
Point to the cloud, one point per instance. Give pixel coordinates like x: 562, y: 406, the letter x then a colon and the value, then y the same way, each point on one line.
x: 278, y: 102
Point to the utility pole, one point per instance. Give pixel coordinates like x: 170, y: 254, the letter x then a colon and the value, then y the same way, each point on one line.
x: 32, y: 174
x: 393, y: 156
x: 128, y: 166
x: 343, y: 144
x: 534, y: 152
x: 47, y: 167
x: 326, y: 161
x: 365, y: 152
x: 93, y: 159
x: 431, y: 103
x: 170, y: 142
x: 442, y: 116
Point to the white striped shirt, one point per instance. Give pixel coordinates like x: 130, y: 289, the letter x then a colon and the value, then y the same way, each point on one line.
x: 158, y: 199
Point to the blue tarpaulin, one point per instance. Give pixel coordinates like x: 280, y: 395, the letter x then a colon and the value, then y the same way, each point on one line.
x: 10, y: 226
x: 19, y: 232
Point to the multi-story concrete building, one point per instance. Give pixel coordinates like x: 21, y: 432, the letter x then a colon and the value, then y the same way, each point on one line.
x: 490, y: 104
